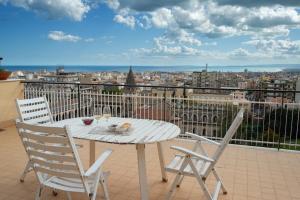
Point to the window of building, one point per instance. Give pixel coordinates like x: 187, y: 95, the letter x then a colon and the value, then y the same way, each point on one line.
x: 204, y: 118
x: 194, y: 130
x: 215, y: 118
x: 204, y: 132
x: 195, y: 118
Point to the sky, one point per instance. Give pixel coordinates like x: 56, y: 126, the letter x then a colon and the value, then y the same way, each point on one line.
x: 147, y: 32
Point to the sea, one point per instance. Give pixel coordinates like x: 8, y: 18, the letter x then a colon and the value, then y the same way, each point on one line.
x: 103, y: 68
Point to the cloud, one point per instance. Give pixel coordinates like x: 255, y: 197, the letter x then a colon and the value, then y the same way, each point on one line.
x: 144, y: 22
x: 149, y: 5
x: 124, y: 18
x: 276, y: 47
x: 89, y: 40
x: 61, y: 36
x: 141, y: 5
x: 216, y: 18
x: 259, y: 3
x: 53, y: 9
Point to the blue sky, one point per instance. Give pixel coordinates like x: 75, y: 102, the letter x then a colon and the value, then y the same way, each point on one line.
x: 144, y: 32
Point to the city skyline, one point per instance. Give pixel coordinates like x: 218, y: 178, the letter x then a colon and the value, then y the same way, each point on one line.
x: 119, y: 32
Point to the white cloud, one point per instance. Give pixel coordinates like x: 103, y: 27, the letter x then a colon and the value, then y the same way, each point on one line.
x: 53, y: 9
x: 162, y: 18
x: 125, y: 19
x: 144, y: 22
x: 113, y: 4
x: 61, y: 36
x: 185, y: 22
x: 259, y: 3
x: 214, y: 20
x: 276, y: 47
x: 89, y: 40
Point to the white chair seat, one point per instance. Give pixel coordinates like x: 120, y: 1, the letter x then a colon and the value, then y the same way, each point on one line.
x: 68, y: 184
x: 72, y: 184
x: 177, y: 161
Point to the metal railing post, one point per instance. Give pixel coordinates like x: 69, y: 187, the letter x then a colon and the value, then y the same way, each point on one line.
x: 79, y: 101
x: 280, y: 118
x: 164, y: 107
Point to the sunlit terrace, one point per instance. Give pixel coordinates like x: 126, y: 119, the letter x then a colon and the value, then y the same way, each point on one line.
x: 248, y: 172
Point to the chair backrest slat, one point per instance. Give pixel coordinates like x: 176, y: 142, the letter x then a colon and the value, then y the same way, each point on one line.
x: 62, y: 174
x: 55, y: 165
x: 52, y: 152
x: 38, y: 137
x: 51, y: 157
x: 228, y: 136
x: 34, y: 111
x: 49, y: 148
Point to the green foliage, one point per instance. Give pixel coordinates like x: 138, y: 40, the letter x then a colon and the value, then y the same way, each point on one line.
x: 230, y: 111
x: 2, y: 69
x: 270, y: 135
x: 285, y: 122
x: 112, y: 90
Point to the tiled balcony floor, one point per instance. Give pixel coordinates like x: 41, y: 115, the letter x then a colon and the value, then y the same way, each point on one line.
x: 247, y: 173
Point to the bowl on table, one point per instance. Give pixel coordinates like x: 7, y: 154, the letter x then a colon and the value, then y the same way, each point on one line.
x: 87, y: 121
x: 112, y: 127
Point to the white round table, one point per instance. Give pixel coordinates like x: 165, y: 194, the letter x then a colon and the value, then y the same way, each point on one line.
x: 143, y: 131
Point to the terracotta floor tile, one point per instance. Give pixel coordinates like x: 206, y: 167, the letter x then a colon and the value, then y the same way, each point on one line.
x: 247, y: 173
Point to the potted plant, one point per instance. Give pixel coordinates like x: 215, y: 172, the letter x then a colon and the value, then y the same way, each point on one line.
x: 3, y: 73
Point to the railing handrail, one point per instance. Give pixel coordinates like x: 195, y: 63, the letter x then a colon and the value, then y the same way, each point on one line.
x: 163, y: 86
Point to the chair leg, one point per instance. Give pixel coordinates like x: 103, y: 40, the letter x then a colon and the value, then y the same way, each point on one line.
x: 96, y: 183
x: 69, y: 196
x: 200, y: 181
x: 180, y: 181
x: 26, y: 170
x: 38, y: 193
x: 104, y: 187
x: 219, y: 179
x: 177, y: 179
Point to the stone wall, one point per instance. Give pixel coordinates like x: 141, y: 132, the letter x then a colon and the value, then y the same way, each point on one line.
x: 10, y: 90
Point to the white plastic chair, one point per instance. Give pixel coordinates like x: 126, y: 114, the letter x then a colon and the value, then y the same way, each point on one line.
x: 55, y: 160
x: 198, y: 164
x: 34, y: 111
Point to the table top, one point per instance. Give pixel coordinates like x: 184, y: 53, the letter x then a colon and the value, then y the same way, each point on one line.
x: 142, y: 131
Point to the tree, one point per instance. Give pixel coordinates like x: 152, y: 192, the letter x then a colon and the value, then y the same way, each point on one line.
x: 284, y: 121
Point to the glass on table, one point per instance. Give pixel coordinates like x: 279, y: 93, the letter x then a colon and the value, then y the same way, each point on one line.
x: 97, y: 118
x: 106, y: 112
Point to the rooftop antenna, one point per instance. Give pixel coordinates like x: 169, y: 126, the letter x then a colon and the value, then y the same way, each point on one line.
x: 206, y: 67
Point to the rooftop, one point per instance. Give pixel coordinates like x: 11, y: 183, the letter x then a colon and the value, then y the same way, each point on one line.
x: 248, y: 173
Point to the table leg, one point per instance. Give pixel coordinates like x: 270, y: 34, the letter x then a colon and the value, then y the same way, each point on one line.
x: 142, y: 171
x: 92, y: 152
x: 162, y: 162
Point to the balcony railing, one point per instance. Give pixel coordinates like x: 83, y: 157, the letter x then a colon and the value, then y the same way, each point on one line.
x: 266, y: 124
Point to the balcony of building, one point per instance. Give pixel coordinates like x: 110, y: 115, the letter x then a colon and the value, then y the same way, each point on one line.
x: 263, y: 165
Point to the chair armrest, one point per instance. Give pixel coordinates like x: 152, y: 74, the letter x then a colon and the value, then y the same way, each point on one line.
x: 99, y: 162
x: 198, y: 137
x: 189, y: 152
